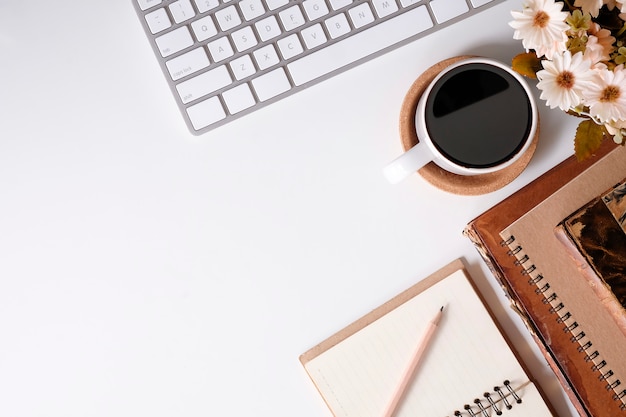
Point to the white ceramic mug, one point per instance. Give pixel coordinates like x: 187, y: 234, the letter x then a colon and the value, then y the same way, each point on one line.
x: 475, y: 117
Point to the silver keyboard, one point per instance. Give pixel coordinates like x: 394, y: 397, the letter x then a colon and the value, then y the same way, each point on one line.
x: 226, y: 58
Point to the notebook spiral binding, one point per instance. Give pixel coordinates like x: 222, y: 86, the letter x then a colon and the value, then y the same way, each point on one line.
x: 564, y: 317
x: 502, y: 398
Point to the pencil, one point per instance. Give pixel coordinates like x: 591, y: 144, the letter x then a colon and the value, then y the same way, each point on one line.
x: 407, y: 377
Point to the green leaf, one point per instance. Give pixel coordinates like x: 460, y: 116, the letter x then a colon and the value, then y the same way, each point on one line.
x: 589, y: 136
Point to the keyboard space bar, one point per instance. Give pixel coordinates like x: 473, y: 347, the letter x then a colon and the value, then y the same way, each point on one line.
x: 360, y: 45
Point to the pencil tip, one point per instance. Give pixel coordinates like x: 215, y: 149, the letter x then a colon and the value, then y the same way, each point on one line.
x: 441, y: 309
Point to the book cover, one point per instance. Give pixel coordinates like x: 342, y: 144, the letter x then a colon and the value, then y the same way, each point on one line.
x: 594, y: 236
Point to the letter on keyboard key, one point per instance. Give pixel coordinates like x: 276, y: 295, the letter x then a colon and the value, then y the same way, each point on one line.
x: 290, y: 46
x: 315, y: 8
x: 314, y: 35
x: 174, y: 41
x: 337, y: 25
x: 361, y: 15
x: 206, y: 113
x: 358, y: 46
x: 271, y: 84
x: 445, y: 10
x: 203, y: 84
x: 385, y: 7
x: 228, y: 18
x: 251, y: 8
x: 291, y: 18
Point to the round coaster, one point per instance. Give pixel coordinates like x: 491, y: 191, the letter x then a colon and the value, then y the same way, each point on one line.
x: 434, y: 174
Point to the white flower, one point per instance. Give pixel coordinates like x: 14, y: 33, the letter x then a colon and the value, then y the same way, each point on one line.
x: 590, y: 6
x: 541, y: 26
x: 617, y: 130
x: 606, y: 96
x: 563, y: 80
x: 599, y: 44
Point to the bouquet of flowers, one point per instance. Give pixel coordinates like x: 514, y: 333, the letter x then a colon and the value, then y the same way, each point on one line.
x: 577, y: 51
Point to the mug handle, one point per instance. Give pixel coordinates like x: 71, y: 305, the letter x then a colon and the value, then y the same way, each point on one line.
x: 407, y: 163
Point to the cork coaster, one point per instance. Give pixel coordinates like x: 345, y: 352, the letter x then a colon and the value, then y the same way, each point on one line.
x: 439, y: 177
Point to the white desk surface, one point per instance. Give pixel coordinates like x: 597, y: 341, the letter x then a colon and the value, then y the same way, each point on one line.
x: 148, y: 272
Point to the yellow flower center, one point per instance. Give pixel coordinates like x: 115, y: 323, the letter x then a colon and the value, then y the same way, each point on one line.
x: 610, y: 94
x: 565, y: 80
x: 541, y: 19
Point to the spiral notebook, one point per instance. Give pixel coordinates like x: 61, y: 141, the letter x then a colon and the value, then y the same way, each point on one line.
x: 579, y: 376
x: 469, y: 369
x: 566, y: 296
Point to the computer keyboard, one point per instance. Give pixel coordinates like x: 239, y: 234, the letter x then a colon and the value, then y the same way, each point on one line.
x: 226, y: 58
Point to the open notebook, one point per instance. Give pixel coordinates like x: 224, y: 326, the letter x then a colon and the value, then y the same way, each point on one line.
x: 469, y: 368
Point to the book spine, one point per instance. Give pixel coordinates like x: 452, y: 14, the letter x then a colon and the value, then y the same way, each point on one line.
x: 563, y: 317
x: 493, y: 266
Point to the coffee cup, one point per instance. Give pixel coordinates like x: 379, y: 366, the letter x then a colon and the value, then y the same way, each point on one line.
x: 477, y: 116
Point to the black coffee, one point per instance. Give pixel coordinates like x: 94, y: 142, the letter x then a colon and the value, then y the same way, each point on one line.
x: 478, y: 115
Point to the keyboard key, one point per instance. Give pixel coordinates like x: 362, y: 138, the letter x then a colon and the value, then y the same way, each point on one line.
x: 266, y: 57
x: 478, y: 3
x: 275, y: 4
x: 271, y: 84
x: 251, y: 9
x: 361, y: 15
x: 228, y: 18
x: 445, y: 10
x: 204, y: 28
x: 244, y: 39
x: 206, y: 5
x: 174, y: 41
x: 220, y: 49
x: 203, y: 84
x: 337, y: 25
x: 238, y: 98
x: 158, y: 20
x: 182, y: 10
x: 206, y: 113
x: 315, y: 9
x: 268, y: 28
x: 290, y: 46
x: 187, y: 63
x: 242, y: 67
x: 359, y: 45
x: 146, y: 4
x: 338, y: 4
x: 314, y: 36
x: 385, y: 7
x: 291, y: 18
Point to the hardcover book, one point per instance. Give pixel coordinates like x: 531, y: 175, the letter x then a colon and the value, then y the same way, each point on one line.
x: 595, y: 238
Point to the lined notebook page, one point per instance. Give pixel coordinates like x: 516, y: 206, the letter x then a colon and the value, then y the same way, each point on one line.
x: 466, y: 358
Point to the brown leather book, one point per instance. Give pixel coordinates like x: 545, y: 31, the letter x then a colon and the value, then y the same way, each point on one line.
x: 592, y: 386
x: 595, y: 238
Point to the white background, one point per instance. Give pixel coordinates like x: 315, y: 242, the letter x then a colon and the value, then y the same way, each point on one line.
x: 146, y: 271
